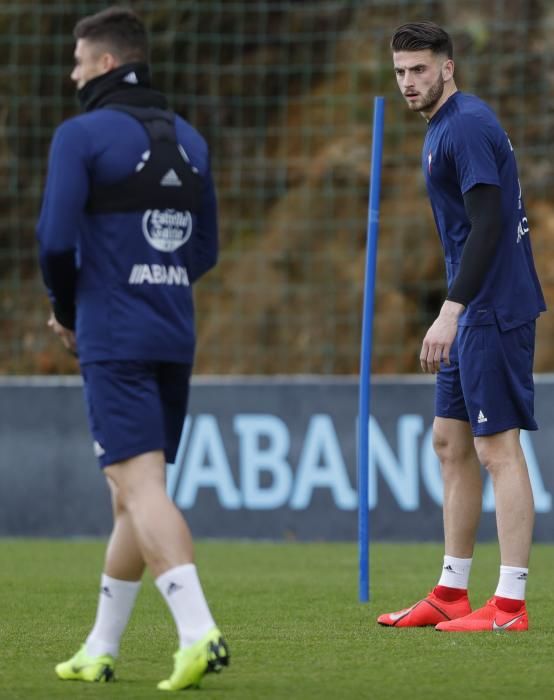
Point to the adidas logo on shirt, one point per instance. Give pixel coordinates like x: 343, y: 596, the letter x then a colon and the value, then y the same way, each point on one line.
x: 481, y: 418
x: 170, y: 179
x: 131, y: 78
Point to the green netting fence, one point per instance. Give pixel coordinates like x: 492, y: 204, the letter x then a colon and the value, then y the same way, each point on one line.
x: 283, y: 92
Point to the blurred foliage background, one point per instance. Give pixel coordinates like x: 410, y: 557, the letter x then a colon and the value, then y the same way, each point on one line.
x: 283, y: 92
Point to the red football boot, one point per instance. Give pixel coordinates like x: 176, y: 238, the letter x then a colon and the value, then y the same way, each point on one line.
x: 427, y: 612
x: 489, y: 618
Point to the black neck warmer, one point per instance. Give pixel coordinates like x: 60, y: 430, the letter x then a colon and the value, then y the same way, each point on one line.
x: 127, y: 85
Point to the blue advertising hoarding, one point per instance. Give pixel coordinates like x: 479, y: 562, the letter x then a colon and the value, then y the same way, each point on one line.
x: 259, y: 458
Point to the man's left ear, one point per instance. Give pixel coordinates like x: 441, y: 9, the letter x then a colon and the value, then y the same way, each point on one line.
x: 108, y: 62
x: 448, y: 69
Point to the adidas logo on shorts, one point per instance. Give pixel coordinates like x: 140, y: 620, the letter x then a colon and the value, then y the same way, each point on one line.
x: 99, y: 451
x: 481, y: 418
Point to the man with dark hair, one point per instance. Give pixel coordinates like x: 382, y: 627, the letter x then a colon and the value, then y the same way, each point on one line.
x: 128, y: 224
x: 481, y: 345
x: 117, y: 28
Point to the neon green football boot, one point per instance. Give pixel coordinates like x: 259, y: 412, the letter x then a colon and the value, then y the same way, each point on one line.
x: 207, y: 655
x: 92, y: 669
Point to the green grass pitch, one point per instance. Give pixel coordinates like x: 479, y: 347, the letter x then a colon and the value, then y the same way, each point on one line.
x: 291, y: 615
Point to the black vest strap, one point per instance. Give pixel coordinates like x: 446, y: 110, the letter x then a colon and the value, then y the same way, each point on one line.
x: 166, y: 180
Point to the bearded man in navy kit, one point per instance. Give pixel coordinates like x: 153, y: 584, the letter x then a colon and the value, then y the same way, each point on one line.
x: 128, y: 224
x: 481, y: 345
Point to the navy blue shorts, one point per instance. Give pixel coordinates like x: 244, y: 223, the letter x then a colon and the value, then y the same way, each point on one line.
x: 135, y: 406
x: 489, y: 382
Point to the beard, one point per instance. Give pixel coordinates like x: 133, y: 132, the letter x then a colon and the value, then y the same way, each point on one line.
x: 430, y: 98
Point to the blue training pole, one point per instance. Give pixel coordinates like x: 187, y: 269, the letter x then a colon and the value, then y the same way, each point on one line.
x: 366, y: 348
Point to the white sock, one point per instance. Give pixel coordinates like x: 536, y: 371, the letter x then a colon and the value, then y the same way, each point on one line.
x: 512, y: 582
x: 183, y: 593
x: 455, y: 572
x: 115, y: 605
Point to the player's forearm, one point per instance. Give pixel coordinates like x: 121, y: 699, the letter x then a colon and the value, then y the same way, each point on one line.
x: 60, y: 277
x: 204, y: 242
x: 483, y: 206
x: 204, y: 260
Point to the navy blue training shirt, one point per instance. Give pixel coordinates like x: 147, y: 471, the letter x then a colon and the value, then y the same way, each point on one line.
x: 132, y: 271
x: 466, y: 146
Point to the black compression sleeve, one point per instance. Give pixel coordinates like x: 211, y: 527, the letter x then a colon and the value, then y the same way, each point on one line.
x: 483, y: 205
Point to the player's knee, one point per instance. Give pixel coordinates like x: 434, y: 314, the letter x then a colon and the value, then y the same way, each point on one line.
x: 491, y: 459
x: 497, y: 452
x: 137, y: 495
x: 448, y: 450
x: 135, y: 482
x: 492, y: 463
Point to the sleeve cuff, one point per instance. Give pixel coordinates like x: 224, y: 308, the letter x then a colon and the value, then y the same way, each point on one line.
x: 65, y: 316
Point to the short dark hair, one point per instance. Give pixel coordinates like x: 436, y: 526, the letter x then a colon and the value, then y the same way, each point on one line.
x: 418, y: 36
x: 120, y: 29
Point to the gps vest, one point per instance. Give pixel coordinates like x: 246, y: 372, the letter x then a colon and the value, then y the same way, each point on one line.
x: 164, y: 179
